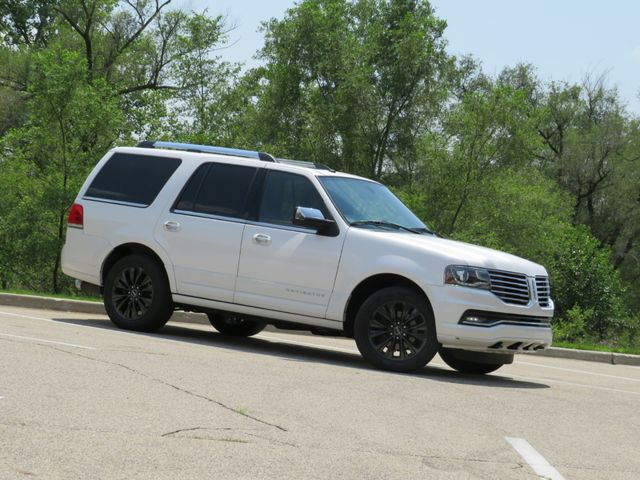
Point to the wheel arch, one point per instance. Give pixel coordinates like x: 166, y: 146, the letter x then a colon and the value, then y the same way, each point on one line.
x: 132, y: 248
x: 372, y: 284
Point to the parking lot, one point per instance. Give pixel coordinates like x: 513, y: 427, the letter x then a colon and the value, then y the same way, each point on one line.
x: 81, y: 399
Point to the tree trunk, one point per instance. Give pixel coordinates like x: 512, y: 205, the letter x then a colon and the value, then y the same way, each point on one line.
x: 56, y: 266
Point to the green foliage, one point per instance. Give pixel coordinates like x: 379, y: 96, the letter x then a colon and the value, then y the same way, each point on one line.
x: 70, y: 125
x: 26, y: 21
x: 582, y: 276
x: 573, y: 327
x: 203, y: 79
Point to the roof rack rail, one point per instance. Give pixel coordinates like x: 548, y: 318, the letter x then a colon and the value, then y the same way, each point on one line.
x: 236, y: 152
x: 304, y: 163
x: 192, y: 147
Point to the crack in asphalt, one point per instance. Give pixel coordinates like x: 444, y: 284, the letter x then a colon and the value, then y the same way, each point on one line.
x: 168, y: 434
x: 174, y: 434
x: 167, y: 384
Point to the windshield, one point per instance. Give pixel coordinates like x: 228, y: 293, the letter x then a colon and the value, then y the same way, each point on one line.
x: 369, y: 204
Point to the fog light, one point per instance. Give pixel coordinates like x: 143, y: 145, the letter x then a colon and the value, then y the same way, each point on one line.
x: 477, y: 319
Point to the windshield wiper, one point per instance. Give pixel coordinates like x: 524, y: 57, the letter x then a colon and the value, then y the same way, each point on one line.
x: 383, y: 223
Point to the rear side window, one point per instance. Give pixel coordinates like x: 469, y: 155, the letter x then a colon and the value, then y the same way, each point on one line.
x: 132, y: 178
x: 217, y: 189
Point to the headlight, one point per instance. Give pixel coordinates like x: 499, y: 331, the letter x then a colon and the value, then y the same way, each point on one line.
x: 467, y: 276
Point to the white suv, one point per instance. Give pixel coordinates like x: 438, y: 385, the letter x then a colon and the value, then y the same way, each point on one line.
x: 252, y: 240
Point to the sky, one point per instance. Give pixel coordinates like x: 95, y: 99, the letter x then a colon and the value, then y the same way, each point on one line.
x: 563, y: 39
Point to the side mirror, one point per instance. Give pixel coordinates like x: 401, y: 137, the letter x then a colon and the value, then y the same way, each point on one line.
x: 313, y: 218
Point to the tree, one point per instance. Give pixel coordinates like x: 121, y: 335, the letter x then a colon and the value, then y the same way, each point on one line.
x: 477, y: 137
x: 349, y: 84
x: 203, y: 79
x: 51, y: 150
x: 26, y: 22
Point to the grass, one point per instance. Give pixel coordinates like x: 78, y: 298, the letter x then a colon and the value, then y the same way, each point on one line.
x: 64, y: 296
x: 598, y: 348
x: 232, y: 440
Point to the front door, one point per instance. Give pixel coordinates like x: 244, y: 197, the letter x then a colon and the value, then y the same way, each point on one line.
x: 284, y: 267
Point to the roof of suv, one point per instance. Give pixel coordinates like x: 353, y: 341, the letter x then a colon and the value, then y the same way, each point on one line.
x: 202, y: 150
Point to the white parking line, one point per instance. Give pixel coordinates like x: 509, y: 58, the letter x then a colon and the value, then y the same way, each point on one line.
x: 27, y: 316
x: 571, y: 384
x: 42, y: 340
x: 575, y: 370
x: 93, y: 327
x: 530, y: 455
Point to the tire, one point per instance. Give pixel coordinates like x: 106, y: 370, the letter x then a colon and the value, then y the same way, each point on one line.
x: 465, y: 366
x: 394, y: 330
x: 235, y: 326
x: 137, y: 294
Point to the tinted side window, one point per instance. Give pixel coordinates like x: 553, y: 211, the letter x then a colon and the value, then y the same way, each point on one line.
x: 283, y: 192
x: 132, y: 178
x: 224, y: 190
x: 187, y: 198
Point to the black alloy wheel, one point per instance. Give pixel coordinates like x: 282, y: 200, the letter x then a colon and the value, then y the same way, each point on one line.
x: 137, y: 294
x: 394, y: 330
x: 132, y: 292
x: 397, y: 330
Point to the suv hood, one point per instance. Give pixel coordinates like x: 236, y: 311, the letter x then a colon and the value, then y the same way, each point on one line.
x: 461, y: 253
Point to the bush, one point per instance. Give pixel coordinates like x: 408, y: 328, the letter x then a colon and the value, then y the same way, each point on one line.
x: 582, y: 276
x: 573, y: 327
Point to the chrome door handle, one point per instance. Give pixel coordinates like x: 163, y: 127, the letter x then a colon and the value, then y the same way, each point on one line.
x: 172, y: 226
x: 262, y: 239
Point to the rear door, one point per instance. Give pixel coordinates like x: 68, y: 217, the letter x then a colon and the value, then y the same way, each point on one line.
x: 203, y: 231
x: 284, y: 267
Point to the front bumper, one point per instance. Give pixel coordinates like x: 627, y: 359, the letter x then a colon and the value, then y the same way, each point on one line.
x: 510, y: 331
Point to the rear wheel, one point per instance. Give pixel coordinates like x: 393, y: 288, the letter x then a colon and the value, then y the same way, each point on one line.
x: 467, y: 366
x: 394, y: 330
x: 235, y: 326
x: 137, y: 294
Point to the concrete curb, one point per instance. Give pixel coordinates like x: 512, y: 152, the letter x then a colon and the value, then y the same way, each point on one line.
x: 591, y: 356
x: 82, y: 306
x: 587, y: 355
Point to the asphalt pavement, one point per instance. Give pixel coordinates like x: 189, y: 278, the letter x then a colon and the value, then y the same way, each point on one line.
x: 81, y: 399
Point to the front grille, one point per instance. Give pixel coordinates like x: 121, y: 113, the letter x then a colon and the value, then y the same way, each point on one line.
x: 510, y: 287
x: 543, y: 291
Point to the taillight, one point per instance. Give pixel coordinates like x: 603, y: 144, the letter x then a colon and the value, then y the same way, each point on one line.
x: 76, y: 216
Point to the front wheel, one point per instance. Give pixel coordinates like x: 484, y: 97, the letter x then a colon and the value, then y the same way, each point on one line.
x: 394, y: 330
x: 467, y: 366
x: 235, y: 326
x: 137, y: 294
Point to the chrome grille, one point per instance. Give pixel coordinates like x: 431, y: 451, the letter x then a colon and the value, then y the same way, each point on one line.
x: 510, y: 287
x: 543, y: 291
